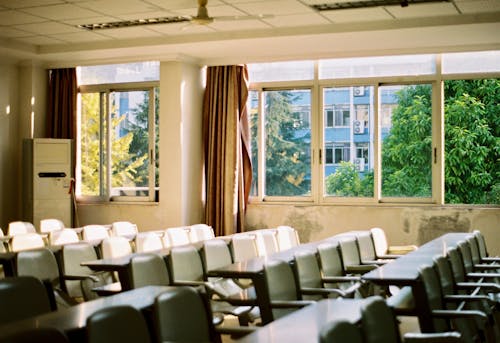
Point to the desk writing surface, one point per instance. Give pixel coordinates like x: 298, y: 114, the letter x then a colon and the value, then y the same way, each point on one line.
x: 304, y: 325
x: 75, y: 317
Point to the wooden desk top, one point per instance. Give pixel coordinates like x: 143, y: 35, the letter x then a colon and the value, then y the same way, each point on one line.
x: 304, y: 325
x: 73, y: 319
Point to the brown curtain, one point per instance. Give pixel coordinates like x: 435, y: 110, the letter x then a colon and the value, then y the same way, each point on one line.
x: 61, y: 111
x: 226, y: 135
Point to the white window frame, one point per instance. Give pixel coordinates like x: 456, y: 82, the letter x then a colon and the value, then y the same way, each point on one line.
x: 105, y: 187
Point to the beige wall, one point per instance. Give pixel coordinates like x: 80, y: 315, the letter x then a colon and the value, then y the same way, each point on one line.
x: 403, y: 224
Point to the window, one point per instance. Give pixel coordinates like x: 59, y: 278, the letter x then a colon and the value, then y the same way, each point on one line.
x: 370, y: 130
x: 118, y: 138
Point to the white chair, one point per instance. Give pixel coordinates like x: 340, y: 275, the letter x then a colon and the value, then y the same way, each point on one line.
x: 243, y: 247
x: 178, y: 235
x: 200, y: 232
x: 266, y: 241
x: 382, y: 247
x: 19, y: 228
x: 148, y: 241
x: 124, y: 229
x: 94, y: 232
x: 113, y: 247
x: 26, y: 241
x: 49, y: 225
x: 287, y: 237
x: 2, y: 243
x: 64, y: 236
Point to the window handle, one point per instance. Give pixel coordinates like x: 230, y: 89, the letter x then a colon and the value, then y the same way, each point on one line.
x: 320, y: 156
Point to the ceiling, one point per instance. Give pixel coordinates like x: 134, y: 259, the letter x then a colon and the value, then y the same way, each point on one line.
x: 45, y: 31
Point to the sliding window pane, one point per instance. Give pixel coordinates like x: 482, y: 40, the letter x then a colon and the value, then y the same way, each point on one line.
x: 348, y: 141
x: 253, y: 117
x: 406, y: 135
x: 287, y: 142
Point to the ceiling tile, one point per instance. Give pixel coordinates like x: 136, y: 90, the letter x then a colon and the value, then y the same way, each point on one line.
x: 357, y: 15
x: 130, y: 32
x: 297, y: 20
x: 47, y: 28
x: 145, y: 15
x: 29, y: 3
x: 181, y: 4
x: 61, y: 12
x: 13, y: 33
x: 238, y: 25
x: 275, y: 7
x: 39, y: 40
x: 213, y: 11
x: 181, y: 28
x: 91, y: 20
x: 479, y: 6
x: 16, y: 17
x: 79, y: 37
x: 422, y: 10
x: 115, y: 7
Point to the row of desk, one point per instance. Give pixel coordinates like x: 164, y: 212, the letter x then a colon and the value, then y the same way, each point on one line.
x: 306, y: 322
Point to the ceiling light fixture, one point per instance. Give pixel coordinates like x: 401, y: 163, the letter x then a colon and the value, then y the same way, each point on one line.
x: 369, y: 3
x: 131, y: 23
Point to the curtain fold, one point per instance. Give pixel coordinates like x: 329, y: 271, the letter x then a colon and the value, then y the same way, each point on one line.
x: 61, y: 111
x: 226, y: 135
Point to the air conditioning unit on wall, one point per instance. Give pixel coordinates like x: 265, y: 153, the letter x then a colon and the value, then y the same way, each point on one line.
x: 359, y: 163
x: 358, y: 91
x: 358, y: 127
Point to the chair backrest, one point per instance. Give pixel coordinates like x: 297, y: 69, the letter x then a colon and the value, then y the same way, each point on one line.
x: 72, y: 256
x: 379, y: 241
x: 94, y: 232
x: 124, y: 228
x: 165, y: 240
x: 457, y: 266
x: 117, y: 324
x: 26, y: 241
x: 64, y: 236
x: 378, y: 322
x: 340, y: 331
x: 287, y: 237
x: 465, y: 252
x: 330, y: 259
x: 474, y: 249
x: 2, y: 244
x: 20, y: 227
x: 243, y: 247
x: 36, y: 335
x: 216, y: 254
x: 178, y: 235
x: 481, y: 243
x: 200, y: 232
x: 349, y: 251
x: 185, y: 264
x: 445, y: 274
x: 182, y: 315
x: 266, y: 241
x: 308, y: 270
x: 51, y: 224
x: 366, y: 246
x: 149, y: 270
x: 40, y: 263
x: 148, y: 241
x: 281, y: 284
x: 113, y: 247
x: 433, y: 292
x: 22, y: 297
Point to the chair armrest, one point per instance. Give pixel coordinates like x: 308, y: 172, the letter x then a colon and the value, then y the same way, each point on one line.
x: 483, y: 275
x: 290, y: 303
x: 375, y: 262
x: 466, y: 298
x: 189, y: 283
x: 401, y: 249
x: 491, y: 259
x: 80, y: 277
x: 333, y: 279
x: 489, y: 286
x: 487, y: 266
x: 460, y: 314
x: 236, y: 331
x: 322, y: 291
x: 365, y: 268
x: 442, y: 337
x: 390, y: 256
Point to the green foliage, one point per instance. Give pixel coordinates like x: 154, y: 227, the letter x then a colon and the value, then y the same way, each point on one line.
x: 287, y: 148
x: 347, y: 182
x: 406, y: 151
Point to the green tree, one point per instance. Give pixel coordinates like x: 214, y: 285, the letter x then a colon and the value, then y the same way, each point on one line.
x: 347, y: 182
x: 123, y: 165
x: 406, y: 151
x: 287, y: 147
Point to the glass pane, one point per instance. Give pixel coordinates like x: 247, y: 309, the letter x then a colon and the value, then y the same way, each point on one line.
x: 472, y: 136
x: 116, y: 73
x: 129, y: 143
x: 377, y: 66
x: 253, y: 117
x: 348, y: 144
x: 281, y: 71
x: 406, y: 140
x: 92, y: 140
x: 288, y: 142
x: 471, y: 62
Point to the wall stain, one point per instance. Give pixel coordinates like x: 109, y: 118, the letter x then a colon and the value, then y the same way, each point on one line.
x: 436, y: 225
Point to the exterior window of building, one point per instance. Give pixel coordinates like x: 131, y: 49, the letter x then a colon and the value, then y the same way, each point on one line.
x: 117, y: 150
x: 376, y: 135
